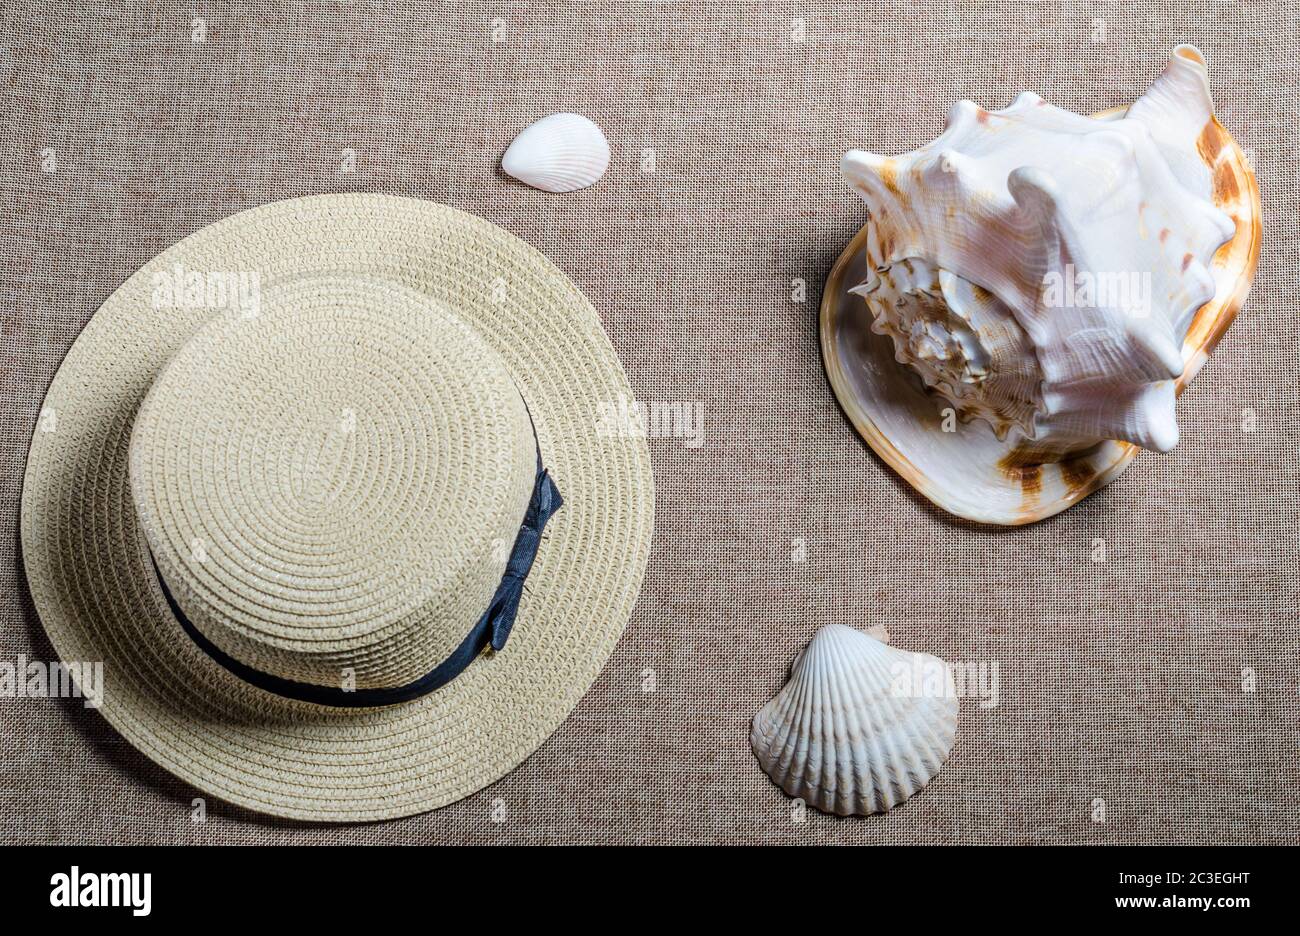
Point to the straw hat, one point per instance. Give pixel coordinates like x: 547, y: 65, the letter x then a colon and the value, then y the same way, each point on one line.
x: 327, y: 489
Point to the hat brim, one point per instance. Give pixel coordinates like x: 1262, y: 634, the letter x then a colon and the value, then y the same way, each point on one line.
x: 99, y: 599
x: 970, y: 473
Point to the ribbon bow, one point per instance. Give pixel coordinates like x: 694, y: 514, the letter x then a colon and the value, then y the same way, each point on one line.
x: 545, y: 501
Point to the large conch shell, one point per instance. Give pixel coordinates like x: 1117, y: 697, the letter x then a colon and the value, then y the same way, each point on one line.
x: 1033, y: 289
x: 860, y: 726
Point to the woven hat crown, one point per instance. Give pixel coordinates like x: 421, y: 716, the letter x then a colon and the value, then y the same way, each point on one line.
x: 330, y: 488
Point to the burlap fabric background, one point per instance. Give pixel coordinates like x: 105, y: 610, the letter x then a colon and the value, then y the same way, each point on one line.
x: 1119, y: 681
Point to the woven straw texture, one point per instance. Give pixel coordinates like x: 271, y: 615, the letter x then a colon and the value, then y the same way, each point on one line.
x: 349, y: 463
x: 88, y: 568
x: 1122, y: 713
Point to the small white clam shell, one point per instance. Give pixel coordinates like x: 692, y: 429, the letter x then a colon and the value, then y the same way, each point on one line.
x: 559, y: 153
x: 860, y: 726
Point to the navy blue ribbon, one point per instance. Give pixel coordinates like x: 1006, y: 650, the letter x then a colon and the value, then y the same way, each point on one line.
x: 492, y: 628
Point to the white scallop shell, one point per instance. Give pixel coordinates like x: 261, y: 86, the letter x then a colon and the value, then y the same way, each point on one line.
x: 559, y: 153
x: 860, y: 726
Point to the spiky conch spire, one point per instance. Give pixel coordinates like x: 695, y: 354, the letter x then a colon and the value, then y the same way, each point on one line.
x: 1039, y: 269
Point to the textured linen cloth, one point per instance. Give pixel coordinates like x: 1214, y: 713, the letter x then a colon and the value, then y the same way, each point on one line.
x: 1150, y: 697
